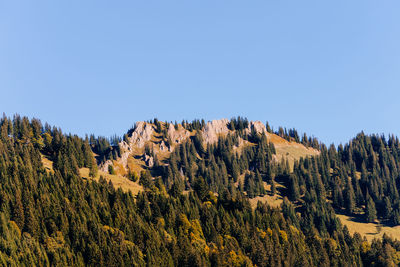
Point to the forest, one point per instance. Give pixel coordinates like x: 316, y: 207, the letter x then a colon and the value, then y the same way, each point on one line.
x: 194, y: 209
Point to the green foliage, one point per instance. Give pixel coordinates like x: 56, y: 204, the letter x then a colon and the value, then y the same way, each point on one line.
x: 370, y: 213
x: 111, y: 169
x: 145, y: 179
x: 55, y: 218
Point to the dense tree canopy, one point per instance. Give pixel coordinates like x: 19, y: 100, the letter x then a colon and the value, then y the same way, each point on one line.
x: 198, y: 212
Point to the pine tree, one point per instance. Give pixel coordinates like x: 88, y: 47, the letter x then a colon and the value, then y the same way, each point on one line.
x: 93, y: 170
x: 273, y: 188
x: 350, y: 199
x: 268, y: 127
x: 370, y: 213
x: 201, y: 188
x: 145, y: 179
x: 294, y: 193
x: 18, y: 211
x: 111, y: 169
x: 387, y: 208
x: 395, y: 217
x: 337, y: 196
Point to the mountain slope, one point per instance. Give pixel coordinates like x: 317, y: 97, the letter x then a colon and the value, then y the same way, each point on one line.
x: 162, y: 138
x: 195, y: 206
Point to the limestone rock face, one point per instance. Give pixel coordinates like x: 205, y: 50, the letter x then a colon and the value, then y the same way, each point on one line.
x: 142, y: 133
x: 104, y: 166
x: 213, y: 129
x: 258, y: 126
x: 177, y: 136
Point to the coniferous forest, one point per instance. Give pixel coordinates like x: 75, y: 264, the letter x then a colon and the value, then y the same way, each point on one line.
x: 58, y: 218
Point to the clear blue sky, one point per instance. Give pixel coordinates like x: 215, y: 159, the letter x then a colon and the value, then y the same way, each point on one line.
x: 328, y: 68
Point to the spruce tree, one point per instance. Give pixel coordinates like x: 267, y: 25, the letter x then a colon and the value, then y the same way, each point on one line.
x: 273, y: 188
x: 350, y: 200
x: 370, y: 213
x: 294, y: 192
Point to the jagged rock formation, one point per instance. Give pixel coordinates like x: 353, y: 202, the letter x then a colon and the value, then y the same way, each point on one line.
x: 177, y: 136
x: 104, y: 167
x: 141, y: 134
x: 258, y: 126
x: 214, y: 129
x: 144, y: 134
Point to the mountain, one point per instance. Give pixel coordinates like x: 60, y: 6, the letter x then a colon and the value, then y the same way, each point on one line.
x: 160, y: 139
x: 224, y: 192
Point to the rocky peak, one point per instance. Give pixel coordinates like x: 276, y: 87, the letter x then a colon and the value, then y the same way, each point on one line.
x: 213, y: 129
x: 258, y: 126
x: 177, y: 135
x: 142, y: 133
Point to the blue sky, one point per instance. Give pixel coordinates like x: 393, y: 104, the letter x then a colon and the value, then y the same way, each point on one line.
x: 328, y: 68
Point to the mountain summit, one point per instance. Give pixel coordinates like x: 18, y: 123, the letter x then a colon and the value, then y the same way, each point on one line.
x: 161, y: 138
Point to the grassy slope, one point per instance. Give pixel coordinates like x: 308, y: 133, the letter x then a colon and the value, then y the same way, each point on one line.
x: 117, y: 180
x: 48, y: 164
x: 369, y: 230
x: 290, y: 150
x: 273, y: 201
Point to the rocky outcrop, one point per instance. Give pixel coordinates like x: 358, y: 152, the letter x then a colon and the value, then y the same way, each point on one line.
x: 141, y: 134
x: 104, y: 166
x: 213, y: 129
x: 258, y: 126
x: 177, y: 136
x: 144, y: 133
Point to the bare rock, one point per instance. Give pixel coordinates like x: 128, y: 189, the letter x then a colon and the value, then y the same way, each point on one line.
x: 258, y: 126
x: 104, y: 166
x: 142, y: 133
x: 213, y: 129
x: 177, y: 136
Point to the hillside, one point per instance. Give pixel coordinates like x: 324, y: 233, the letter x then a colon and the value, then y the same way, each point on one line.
x: 219, y: 193
x: 149, y: 140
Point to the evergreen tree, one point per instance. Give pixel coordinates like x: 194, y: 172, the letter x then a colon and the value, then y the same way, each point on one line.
x: 273, y: 188
x: 293, y: 193
x: 350, y: 199
x: 370, y: 212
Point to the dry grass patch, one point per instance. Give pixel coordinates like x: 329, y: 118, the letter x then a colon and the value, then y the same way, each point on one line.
x: 369, y: 230
x: 290, y: 150
x: 274, y: 201
x: 117, y: 180
x: 135, y: 165
x: 119, y: 168
x: 47, y: 164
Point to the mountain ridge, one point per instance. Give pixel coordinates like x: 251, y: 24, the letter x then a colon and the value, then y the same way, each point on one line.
x: 143, y: 134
